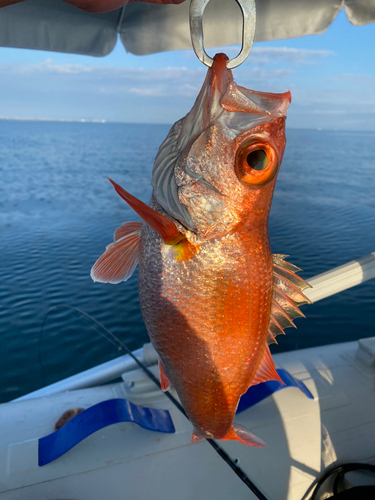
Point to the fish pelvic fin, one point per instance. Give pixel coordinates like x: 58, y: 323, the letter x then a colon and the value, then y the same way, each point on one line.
x: 158, y: 222
x: 287, y: 296
x: 121, y: 257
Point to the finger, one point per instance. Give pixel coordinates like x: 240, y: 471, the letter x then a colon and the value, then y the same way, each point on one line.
x: 162, y: 2
x: 4, y: 3
x: 97, y: 5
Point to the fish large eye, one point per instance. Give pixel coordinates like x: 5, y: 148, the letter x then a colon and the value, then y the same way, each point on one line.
x: 256, y: 163
x: 257, y: 159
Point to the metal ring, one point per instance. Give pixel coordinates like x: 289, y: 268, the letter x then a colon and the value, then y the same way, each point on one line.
x: 248, y: 10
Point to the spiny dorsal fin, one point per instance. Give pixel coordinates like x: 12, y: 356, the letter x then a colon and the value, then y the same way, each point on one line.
x: 121, y: 257
x: 287, y: 296
x: 266, y: 370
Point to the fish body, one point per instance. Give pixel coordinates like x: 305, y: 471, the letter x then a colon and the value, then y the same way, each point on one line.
x: 201, y: 320
x: 209, y: 295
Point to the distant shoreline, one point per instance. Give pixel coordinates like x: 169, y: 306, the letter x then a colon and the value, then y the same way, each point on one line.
x: 84, y: 120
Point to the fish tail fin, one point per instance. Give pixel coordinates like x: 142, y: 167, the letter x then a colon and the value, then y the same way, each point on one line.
x: 236, y: 433
x: 243, y: 435
x: 196, y: 437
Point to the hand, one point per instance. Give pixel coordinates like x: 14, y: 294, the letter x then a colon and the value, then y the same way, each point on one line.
x: 107, y: 5
x: 99, y: 5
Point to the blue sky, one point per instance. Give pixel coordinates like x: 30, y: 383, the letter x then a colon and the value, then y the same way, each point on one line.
x: 331, y: 77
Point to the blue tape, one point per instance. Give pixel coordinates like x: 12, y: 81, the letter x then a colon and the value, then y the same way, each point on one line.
x: 261, y: 391
x: 96, y: 417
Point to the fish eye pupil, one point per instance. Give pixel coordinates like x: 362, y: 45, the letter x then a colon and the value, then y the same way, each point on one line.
x: 257, y: 160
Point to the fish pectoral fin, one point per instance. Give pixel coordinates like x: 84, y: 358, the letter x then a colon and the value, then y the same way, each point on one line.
x: 243, y: 435
x: 165, y: 383
x: 126, y: 229
x: 158, y: 222
x: 266, y: 370
x: 121, y: 257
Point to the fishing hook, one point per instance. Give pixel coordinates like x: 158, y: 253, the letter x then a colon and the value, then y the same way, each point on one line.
x: 248, y: 10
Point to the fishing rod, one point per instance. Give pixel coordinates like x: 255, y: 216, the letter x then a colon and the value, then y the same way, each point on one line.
x: 116, y: 341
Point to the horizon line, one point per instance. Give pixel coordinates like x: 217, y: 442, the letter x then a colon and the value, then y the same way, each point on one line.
x: 103, y: 121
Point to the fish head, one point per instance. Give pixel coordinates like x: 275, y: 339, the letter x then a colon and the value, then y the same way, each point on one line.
x: 217, y: 168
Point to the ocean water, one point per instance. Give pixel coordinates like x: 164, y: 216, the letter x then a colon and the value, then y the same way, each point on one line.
x: 58, y: 212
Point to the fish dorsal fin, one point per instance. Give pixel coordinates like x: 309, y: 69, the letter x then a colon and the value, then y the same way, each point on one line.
x: 121, y: 257
x: 165, y: 383
x: 266, y: 370
x: 287, y: 296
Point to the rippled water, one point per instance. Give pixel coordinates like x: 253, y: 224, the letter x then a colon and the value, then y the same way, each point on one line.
x: 58, y: 212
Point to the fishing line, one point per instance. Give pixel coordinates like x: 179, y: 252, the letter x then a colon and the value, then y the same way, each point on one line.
x: 111, y: 337
x: 116, y: 341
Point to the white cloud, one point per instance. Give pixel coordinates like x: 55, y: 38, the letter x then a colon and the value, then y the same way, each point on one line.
x: 288, y: 54
x: 109, y: 80
x: 355, y: 79
x: 47, y: 66
x: 184, y: 90
x: 329, y: 112
x: 263, y: 74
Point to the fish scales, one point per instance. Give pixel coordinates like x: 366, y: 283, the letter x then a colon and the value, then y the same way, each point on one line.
x: 209, y: 294
x: 214, y: 331
x: 209, y: 332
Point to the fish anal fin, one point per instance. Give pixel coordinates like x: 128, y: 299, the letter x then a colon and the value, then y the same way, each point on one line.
x: 266, y: 370
x: 165, y: 383
x: 121, y: 257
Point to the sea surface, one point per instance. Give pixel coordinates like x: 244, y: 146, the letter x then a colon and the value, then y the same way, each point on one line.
x: 58, y: 212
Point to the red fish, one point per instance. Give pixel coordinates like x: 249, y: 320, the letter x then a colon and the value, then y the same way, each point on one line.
x: 213, y: 296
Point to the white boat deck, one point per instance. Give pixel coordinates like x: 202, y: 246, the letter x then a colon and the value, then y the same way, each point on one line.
x: 303, y: 437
